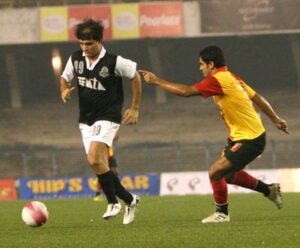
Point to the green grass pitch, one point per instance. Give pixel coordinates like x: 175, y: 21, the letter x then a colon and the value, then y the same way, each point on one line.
x: 173, y: 221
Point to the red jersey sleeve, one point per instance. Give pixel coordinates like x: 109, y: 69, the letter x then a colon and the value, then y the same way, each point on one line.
x: 209, y: 86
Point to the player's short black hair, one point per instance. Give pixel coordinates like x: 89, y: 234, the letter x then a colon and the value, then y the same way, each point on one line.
x: 214, y: 54
x: 89, y: 29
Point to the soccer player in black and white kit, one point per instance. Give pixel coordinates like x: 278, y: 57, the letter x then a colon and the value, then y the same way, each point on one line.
x: 99, y: 84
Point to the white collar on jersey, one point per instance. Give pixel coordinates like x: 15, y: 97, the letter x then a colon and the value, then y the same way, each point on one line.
x: 100, y: 56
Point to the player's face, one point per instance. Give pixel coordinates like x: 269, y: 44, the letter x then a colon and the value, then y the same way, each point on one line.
x: 91, y: 48
x: 206, y: 69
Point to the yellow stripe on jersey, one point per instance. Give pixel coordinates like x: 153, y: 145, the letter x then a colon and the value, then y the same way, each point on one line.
x: 236, y: 106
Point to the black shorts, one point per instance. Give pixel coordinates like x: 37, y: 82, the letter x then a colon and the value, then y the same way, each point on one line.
x: 242, y: 152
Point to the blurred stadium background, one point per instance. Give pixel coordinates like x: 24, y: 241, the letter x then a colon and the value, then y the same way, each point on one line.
x: 39, y: 134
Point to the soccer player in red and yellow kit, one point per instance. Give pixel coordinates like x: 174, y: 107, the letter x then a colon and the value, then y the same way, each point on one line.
x: 247, y: 136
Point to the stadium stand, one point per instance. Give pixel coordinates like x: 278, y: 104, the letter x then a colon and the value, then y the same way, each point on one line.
x: 39, y: 134
x: 183, y: 134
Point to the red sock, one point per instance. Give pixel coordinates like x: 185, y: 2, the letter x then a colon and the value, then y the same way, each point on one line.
x: 220, y: 191
x: 245, y: 180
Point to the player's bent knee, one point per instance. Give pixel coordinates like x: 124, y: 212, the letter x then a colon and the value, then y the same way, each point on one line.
x: 218, y: 175
x: 99, y: 166
x: 230, y: 177
x: 215, y: 176
x: 93, y: 161
x: 219, y: 169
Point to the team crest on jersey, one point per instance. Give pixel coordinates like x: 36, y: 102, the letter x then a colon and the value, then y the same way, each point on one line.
x: 104, y: 72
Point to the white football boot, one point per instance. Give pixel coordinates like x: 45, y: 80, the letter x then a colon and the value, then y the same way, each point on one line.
x: 275, y: 195
x: 112, y: 210
x: 216, y: 217
x: 130, y: 210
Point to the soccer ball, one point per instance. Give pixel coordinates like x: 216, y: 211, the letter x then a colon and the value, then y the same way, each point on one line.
x: 35, y: 213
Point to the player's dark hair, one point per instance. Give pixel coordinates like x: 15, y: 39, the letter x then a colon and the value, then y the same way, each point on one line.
x: 214, y: 54
x: 89, y: 29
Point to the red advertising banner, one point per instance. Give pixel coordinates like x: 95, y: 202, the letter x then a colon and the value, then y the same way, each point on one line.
x: 98, y: 12
x: 7, y: 190
x: 161, y: 19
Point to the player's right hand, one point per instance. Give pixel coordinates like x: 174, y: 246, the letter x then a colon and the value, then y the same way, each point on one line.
x: 66, y: 94
x: 148, y: 76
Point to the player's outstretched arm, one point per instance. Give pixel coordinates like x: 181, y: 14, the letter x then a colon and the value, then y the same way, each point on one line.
x: 65, y: 90
x: 131, y: 115
x: 174, y: 88
x: 266, y: 107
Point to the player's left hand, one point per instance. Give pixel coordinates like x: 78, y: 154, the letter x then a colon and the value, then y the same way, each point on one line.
x: 281, y: 124
x: 148, y: 76
x: 130, y: 116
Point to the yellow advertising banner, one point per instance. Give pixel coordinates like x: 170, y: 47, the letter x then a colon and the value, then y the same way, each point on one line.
x: 125, y: 21
x: 53, y: 23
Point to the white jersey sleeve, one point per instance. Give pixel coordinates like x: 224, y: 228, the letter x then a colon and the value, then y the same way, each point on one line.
x: 125, y: 67
x: 68, y: 73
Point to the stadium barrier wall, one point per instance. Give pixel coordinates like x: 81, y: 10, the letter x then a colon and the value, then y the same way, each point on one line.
x: 179, y: 183
x: 77, y: 187
x: 155, y: 157
x: 194, y: 183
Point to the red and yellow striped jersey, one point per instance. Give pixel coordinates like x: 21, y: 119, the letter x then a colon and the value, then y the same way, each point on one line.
x: 233, y: 96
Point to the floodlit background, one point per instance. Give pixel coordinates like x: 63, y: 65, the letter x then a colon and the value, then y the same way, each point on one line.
x: 39, y: 134
x: 169, y: 151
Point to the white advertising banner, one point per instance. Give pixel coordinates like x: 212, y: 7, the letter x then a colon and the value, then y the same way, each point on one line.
x: 289, y: 179
x: 189, y: 183
x: 19, y: 26
x: 184, y: 183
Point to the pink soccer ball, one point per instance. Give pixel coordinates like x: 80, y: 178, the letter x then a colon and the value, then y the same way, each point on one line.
x: 35, y: 213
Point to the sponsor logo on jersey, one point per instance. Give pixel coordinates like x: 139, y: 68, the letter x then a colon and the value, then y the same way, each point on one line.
x: 104, y: 72
x: 91, y: 83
